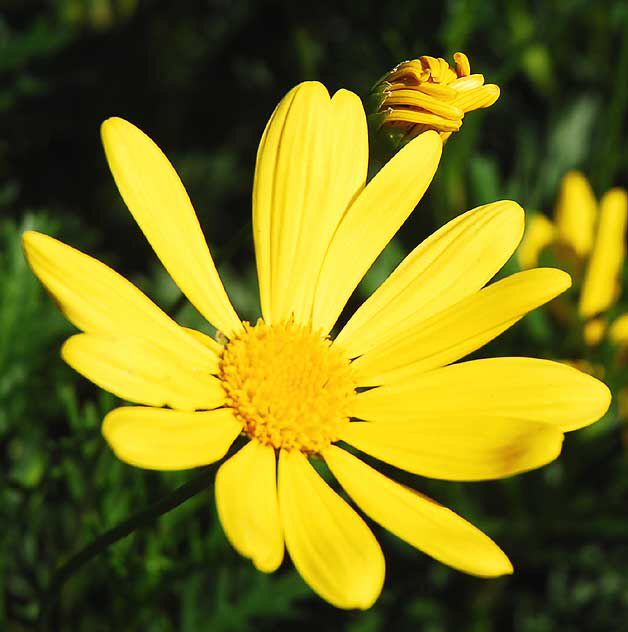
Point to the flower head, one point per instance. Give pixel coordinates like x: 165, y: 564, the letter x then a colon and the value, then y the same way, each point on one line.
x: 589, y: 239
x: 384, y: 384
x: 429, y: 94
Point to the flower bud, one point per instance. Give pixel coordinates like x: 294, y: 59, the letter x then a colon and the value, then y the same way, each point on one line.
x: 427, y: 94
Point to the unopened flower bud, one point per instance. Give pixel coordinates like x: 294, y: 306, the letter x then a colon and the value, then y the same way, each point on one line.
x: 428, y: 94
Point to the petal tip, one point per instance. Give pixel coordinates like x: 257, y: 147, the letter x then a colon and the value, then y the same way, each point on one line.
x: 267, y: 565
x: 311, y: 90
x: 115, y: 128
x: 566, y: 279
x: 362, y: 597
x: 499, y: 566
x: 109, y: 124
x: 515, y: 208
x: 433, y: 137
x: 31, y: 238
x: 427, y: 147
x: 35, y: 243
x: 343, y: 93
x: 67, y: 347
x: 113, y: 121
x: 559, y: 278
x: 508, y: 568
x: 107, y: 428
x: 429, y: 140
x: 515, y: 212
x: 604, y: 397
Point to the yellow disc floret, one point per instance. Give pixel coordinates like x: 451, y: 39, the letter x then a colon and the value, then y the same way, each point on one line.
x: 288, y: 385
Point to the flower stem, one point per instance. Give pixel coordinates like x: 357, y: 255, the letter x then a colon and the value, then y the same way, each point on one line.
x: 120, y: 531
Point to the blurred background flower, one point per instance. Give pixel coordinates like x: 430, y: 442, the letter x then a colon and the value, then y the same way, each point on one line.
x: 203, y: 77
x: 588, y: 240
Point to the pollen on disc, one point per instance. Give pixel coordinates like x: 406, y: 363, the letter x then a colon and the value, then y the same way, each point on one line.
x: 288, y: 385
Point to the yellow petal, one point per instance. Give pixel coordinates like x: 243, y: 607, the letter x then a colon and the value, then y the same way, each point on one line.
x: 162, y: 439
x: 452, y: 264
x: 601, y: 285
x: 246, y: 499
x: 539, y: 235
x: 463, y: 67
x: 205, y: 340
x: 467, y: 83
x: 348, y: 164
x: 618, y: 331
x: 575, y: 213
x: 459, y: 329
x: 100, y: 301
x: 370, y: 223
x: 411, y: 97
x: 330, y: 545
x: 311, y: 164
x: 263, y: 199
x: 417, y: 519
x: 517, y: 388
x: 141, y: 372
x: 461, y: 447
x: 291, y: 185
x: 160, y: 205
x: 438, y: 90
x: 475, y: 98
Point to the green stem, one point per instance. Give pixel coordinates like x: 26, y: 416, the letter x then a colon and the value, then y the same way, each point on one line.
x: 140, y: 519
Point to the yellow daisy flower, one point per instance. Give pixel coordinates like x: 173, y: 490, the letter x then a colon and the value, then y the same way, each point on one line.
x: 590, y: 239
x: 385, y: 384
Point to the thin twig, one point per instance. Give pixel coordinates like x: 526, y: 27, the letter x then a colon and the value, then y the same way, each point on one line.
x: 120, y: 531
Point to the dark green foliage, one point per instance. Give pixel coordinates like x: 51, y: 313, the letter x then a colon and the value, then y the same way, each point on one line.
x: 202, y: 77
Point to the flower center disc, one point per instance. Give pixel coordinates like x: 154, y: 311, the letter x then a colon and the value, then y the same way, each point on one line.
x: 289, y: 386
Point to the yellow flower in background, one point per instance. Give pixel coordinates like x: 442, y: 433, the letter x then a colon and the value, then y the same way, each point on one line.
x: 429, y: 94
x: 590, y: 239
x: 539, y: 234
x: 385, y: 384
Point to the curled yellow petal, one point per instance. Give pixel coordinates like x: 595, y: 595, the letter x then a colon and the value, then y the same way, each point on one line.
x: 477, y: 98
x: 419, y: 99
x: 463, y: 67
x: 423, y: 119
x: 428, y: 94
